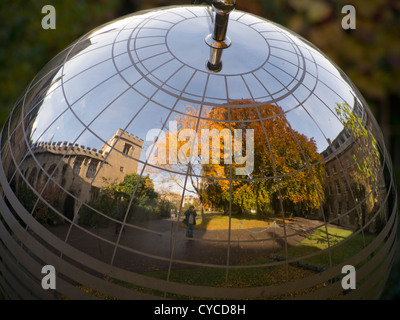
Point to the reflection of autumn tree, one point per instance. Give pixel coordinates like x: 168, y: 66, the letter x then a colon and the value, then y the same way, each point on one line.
x: 174, y: 152
x: 279, y: 153
x: 293, y: 155
x: 366, y: 158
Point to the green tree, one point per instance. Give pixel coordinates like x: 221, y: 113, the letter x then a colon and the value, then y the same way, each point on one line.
x: 115, y: 199
x: 366, y: 158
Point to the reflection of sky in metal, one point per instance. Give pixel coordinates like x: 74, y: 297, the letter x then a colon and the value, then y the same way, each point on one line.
x: 133, y: 76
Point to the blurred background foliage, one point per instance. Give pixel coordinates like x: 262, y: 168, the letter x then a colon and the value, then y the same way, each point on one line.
x: 369, y: 55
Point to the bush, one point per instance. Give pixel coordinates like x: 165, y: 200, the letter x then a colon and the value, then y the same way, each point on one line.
x: 163, y: 209
x: 88, y: 217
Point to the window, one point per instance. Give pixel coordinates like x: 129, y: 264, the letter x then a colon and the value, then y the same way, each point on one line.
x: 334, y: 169
x: 348, y: 163
x: 39, y: 176
x: 358, y: 110
x: 91, y: 171
x: 94, y: 193
x: 127, y: 148
x: 339, y: 208
x: 327, y: 172
x: 64, y: 169
x: 78, y: 165
x: 121, y: 169
x: 53, y: 171
x: 336, y: 144
x: 338, y: 187
x: 346, y: 187
x: 32, y: 176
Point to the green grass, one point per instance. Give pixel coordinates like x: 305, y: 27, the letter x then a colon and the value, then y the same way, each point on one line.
x: 318, y: 241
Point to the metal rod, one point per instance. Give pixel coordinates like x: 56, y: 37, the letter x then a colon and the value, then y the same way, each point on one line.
x: 218, y: 40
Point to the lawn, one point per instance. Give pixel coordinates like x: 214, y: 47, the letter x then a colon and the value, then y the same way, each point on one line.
x: 221, y: 222
x: 318, y: 241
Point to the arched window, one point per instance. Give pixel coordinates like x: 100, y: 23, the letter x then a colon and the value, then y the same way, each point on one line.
x: 32, y: 177
x: 53, y: 171
x: 78, y: 165
x: 127, y: 148
x: 91, y: 171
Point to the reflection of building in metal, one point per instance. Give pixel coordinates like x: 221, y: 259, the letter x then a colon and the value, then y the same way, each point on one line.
x: 190, y: 199
x: 345, y: 180
x: 81, y: 171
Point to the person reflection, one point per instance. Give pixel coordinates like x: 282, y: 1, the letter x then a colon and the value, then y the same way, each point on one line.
x: 190, y: 221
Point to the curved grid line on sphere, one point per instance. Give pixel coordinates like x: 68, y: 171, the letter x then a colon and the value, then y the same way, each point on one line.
x: 124, y: 130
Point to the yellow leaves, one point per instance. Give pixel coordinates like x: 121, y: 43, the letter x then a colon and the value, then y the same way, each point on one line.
x: 276, y: 149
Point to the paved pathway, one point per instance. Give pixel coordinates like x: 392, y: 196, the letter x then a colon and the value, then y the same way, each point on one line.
x: 165, y: 239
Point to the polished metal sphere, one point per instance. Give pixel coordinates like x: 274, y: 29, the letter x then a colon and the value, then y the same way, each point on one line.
x: 268, y: 141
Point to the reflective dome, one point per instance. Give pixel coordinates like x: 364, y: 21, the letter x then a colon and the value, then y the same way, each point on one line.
x: 124, y: 131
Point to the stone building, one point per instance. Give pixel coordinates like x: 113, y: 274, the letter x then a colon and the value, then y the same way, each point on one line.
x: 339, y: 168
x: 80, y: 171
x: 351, y: 194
